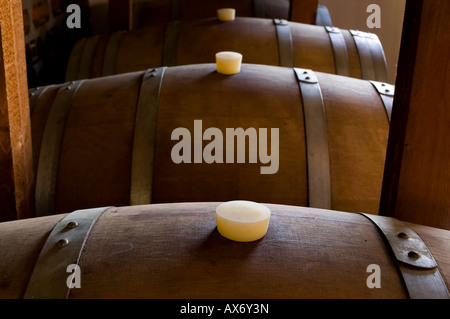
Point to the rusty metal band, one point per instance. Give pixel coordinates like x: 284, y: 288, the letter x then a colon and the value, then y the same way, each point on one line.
x: 112, y: 49
x: 85, y: 67
x: 259, y: 10
x: 62, y: 248
x: 365, y: 55
x: 415, y: 262
x: 285, y: 48
x: 371, y: 56
x: 339, y: 50
x: 318, y: 158
x: 74, y: 60
x: 323, y: 16
x: 379, y: 59
x: 47, y: 171
x: 145, y: 137
x: 34, y: 95
x: 171, y: 43
x: 386, y: 92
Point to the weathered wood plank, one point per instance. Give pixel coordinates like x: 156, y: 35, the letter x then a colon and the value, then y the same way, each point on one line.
x: 417, y: 175
x: 16, y: 162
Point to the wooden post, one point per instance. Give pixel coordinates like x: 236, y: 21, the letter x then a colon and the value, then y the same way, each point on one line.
x: 416, y: 185
x: 303, y: 11
x: 16, y: 161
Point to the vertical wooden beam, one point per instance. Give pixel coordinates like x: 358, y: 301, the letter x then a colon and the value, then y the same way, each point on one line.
x: 130, y: 15
x: 416, y: 186
x: 16, y: 161
x: 303, y: 11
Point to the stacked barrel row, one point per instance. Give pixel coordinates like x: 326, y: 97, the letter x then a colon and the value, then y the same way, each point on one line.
x: 313, y: 100
x: 97, y: 169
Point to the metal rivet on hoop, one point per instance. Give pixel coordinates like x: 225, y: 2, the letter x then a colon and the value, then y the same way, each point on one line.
x: 402, y: 235
x: 413, y: 255
x: 63, y: 242
x: 72, y: 225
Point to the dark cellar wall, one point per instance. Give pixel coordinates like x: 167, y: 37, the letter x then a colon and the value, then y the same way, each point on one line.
x: 48, y: 40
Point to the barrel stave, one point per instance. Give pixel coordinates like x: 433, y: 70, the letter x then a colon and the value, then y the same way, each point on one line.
x: 312, y: 48
x: 357, y: 142
x: 149, y: 14
x: 21, y: 242
x: 174, y: 251
x: 270, y: 102
x: 179, y: 254
x: 257, y: 39
x: 97, y: 146
x: 95, y: 154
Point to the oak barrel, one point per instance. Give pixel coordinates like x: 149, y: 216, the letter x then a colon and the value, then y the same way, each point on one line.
x: 261, y: 41
x: 175, y: 251
x: 153, y: 12
x: 117, y: 135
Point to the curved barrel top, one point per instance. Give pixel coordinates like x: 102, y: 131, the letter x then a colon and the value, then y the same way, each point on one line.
x: 175, y: 251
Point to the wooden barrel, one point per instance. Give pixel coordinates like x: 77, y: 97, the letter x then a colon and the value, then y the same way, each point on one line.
x: 261, y: 41
x: 175, y: 251
x: 152, y: 12
x: 119, y: 140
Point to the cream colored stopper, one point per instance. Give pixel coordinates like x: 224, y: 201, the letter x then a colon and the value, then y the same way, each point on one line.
x: 242, y: 221
x: 226, y: 14
x: 228, y: 62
